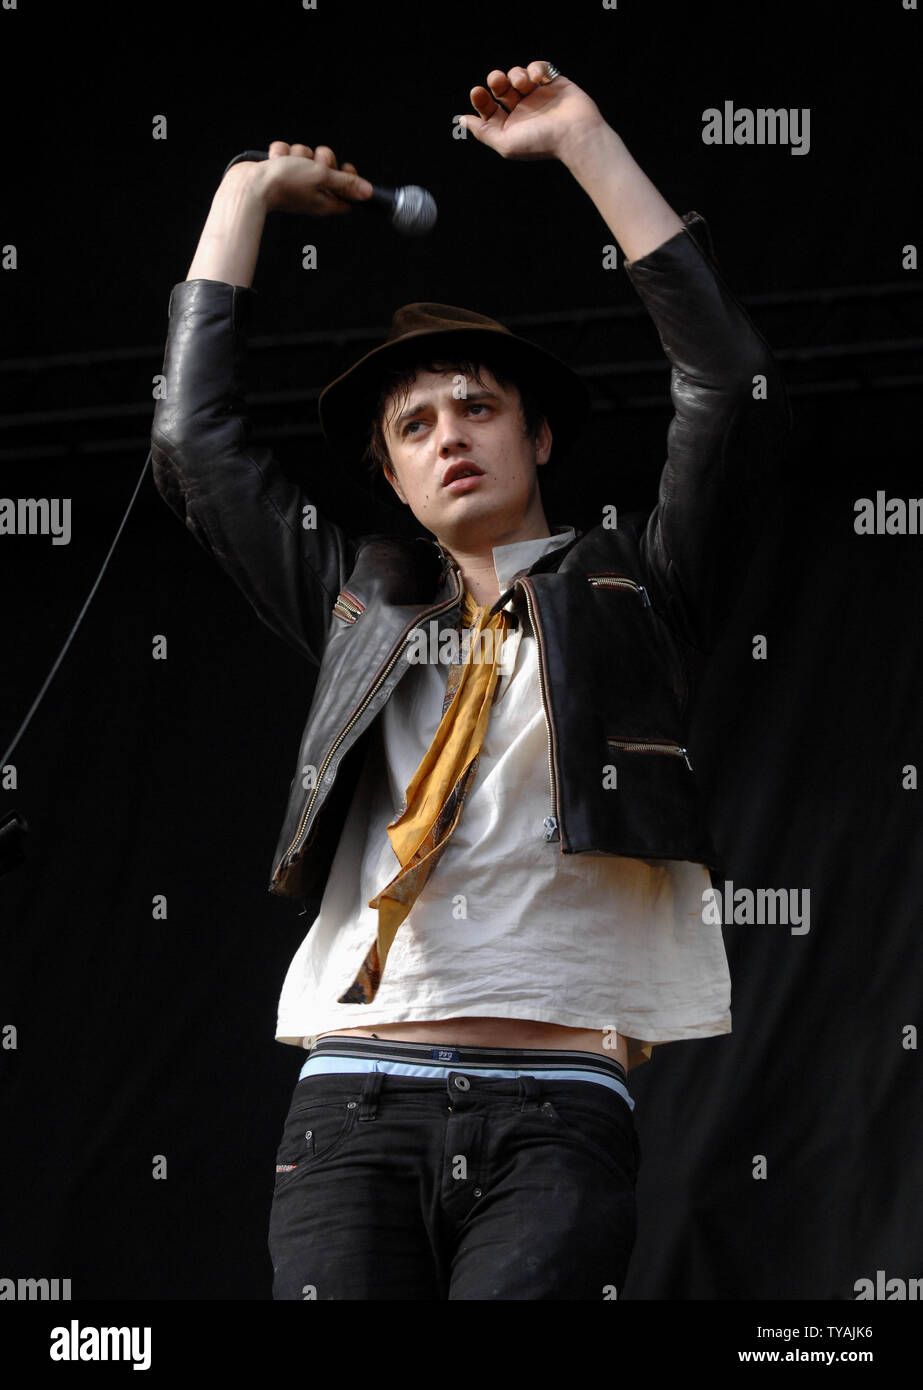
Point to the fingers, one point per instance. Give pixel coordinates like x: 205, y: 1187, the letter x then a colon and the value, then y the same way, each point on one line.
x: 323, y: 152
x: 483, y: 102
x: 339, y: 203
x: 521, y: 82
x: 334, y: 188
x: 538, y: 73
x: 346, y: 183
x: 505, y: 90
x: 502, y: 89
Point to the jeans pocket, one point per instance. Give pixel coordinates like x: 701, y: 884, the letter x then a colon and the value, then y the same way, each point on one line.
x: 314, y: 1131
x: 598, y: 1117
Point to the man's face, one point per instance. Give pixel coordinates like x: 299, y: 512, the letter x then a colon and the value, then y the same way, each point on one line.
x: 449, y: 423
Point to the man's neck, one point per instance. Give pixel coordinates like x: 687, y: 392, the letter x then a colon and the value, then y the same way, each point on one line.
x: 479, y: 577
x: 477, y: 562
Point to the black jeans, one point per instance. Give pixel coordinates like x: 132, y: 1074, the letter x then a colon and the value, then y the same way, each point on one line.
x: 404, y: 1187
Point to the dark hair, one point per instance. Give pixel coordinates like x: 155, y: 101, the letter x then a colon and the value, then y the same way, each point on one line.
x: 398, y: 381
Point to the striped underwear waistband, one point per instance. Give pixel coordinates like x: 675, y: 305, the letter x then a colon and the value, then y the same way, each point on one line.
x: 354, y: 1054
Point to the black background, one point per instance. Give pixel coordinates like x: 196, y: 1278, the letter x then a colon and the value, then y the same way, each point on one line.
x: 138, y: 777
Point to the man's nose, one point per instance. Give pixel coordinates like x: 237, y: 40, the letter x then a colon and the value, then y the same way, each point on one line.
x: 452, y: 434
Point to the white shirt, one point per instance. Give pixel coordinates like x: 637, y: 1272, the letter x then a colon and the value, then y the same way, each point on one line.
x: 506, y: 926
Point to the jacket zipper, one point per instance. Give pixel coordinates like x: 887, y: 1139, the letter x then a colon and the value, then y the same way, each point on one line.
x: 619, y: 581
x: 347, y: 608
x: 652, y: 746
x: 552, y: 822
x: 305, y: 815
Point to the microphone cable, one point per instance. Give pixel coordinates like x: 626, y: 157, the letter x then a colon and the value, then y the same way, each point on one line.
x: 80, y: 616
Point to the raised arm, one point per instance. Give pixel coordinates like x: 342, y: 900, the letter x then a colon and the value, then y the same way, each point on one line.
x: 288, y: 560
x: 731, y: 412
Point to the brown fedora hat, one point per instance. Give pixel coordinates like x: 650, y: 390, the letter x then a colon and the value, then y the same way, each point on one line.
x: 425, y: 332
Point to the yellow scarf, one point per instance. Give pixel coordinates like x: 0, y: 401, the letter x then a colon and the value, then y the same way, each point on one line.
x: 434, y: 799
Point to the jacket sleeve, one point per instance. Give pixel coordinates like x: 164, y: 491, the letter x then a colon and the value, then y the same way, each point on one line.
x: 725, y: 441
x: 233, y: 496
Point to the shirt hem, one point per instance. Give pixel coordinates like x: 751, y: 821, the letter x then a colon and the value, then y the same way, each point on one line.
x: 640, y: 1030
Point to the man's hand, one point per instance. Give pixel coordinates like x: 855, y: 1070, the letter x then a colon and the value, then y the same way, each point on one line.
x: 544, y: 120
x: 293, y: 179
x: 552, y: 118
x: 296, y: 178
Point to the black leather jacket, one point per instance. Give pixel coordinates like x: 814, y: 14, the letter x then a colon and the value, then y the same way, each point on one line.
x: 619, y: 615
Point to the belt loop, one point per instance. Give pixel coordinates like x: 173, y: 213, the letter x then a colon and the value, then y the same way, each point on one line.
x: 530, y: 1093
x: 370, y: 1089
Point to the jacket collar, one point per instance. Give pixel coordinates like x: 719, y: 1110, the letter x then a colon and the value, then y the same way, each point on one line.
x: 539, y: 555
x: 511, y: 561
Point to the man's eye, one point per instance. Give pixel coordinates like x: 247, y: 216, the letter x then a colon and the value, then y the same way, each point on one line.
x: 410, y: 426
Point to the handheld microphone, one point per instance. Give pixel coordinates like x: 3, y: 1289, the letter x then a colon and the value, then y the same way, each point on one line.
x: 412, y: 210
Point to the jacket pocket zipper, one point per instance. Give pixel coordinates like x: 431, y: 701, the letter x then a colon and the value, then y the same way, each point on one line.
x: 619, y: 581
x: 347, y: 608
x: 630, y: 745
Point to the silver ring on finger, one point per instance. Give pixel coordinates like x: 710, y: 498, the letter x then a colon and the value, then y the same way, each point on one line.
x: 551, y: 72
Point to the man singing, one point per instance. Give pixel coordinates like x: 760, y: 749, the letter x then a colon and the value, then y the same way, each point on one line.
x: 493, y: 791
